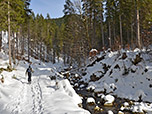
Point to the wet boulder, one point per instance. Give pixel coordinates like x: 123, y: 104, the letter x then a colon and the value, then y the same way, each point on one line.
x: 90, y: 101
x: 98, y: 109
x: 137, y: 59
x: 77, y: 77
x: 120, y: 112
x: 117, y: 66
x: 124, y: 56
x: 91, y: 88
x: 110, y: 112
x: 109, y: 100
x: 52, y: 77
x: 94, y: 78
x: 80, y: 105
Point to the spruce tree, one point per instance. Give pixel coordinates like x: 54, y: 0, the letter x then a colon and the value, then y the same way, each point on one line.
x: 12, y: 18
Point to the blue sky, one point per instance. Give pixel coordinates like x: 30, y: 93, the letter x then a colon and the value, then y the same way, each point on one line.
x: 53, y: 7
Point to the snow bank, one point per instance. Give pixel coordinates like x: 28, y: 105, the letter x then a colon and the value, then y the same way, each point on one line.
x: 141, y: 107
x: 64, y: 85
x: 126, y: 74
x: 137, y: 107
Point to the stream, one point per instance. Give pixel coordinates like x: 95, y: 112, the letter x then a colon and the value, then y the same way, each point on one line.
x: 85, y: 94
x: 98, y: 107
x: 100, y: 103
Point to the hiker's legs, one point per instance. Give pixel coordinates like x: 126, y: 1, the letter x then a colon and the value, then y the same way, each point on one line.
x: 29, y: 78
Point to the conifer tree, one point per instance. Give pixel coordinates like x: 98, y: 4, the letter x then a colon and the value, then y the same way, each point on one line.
x: 12, y: 17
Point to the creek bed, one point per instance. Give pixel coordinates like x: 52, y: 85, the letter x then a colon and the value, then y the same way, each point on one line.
x: 98, y: 102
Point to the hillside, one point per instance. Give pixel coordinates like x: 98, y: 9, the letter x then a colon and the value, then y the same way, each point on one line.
x: 127, y: 74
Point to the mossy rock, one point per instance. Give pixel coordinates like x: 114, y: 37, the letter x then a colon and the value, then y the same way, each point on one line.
x: 126, y: 71
x: 117, y: 66
x: 80, y: 105
x: 138, y: 112
x: 150, y: 85
x: 52, y: 77
x: 133, y: 71
x: 14, y: 77
x: 1, y: 70
x: 8, y: 69
x: 94, y: 78
x: 137, y: 60
x: 106, y: 68
x: 120, y: 112
x: 98, y: 109
x: 146, y: 70
x: 2, y: 79
x: 108, y: 104
x: 84, y: 73
x: 91, y: 104
x: 124, y: 56
x: 116, y: 80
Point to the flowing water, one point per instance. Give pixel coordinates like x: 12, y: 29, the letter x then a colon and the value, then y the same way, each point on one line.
x: 100, y: 103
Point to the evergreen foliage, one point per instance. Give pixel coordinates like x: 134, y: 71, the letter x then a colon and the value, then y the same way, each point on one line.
x: 86, y: 24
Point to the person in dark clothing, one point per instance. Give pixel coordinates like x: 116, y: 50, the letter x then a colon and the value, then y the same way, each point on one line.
x: 29, y: 72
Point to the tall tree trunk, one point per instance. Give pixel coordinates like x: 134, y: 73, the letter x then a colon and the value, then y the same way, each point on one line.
x: 102, y: 32
x: 114, y: 35
x: 132, y: 36
x: 109, y: 35
x: 103, y: 42
x: 0, y: 41
x: 114, y: 32
x: 22, y: 41
x: 87, y: 26
x: 40, y: 51
x: 32, y: 49
x: 64, y: 53
x: 90, y: 30
x: 47, y: 52
x: 94, y: 30
x: 17, y: 43
x: 121, y: 31
x: 37, y: 50
x: 128, y: 38
x: 44, y: 53
x: 13, y: 47
x: 22, y: 46
x: 9, y: 32
x: 28, y: 40
x: 53, y: 56
x: 138, y: 28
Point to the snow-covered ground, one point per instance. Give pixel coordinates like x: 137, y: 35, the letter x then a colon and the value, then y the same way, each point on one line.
x: 122, y: 77
x: 125, y: 74
x: 118, y: 74
x: 42, y: 96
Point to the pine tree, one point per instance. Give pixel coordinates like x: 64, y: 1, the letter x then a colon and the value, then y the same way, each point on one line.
x: 69, y: 8
x: 12, y: 17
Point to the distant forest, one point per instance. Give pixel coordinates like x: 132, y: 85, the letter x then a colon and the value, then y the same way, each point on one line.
x: 86, y: 24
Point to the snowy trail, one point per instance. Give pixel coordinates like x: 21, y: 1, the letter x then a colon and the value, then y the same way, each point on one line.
x: 42, y: 96
x: 37, y: 97
x: 16, y: 104
x: 30, y: 95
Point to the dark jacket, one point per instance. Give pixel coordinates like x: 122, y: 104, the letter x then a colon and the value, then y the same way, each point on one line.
x: 29, y: 71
